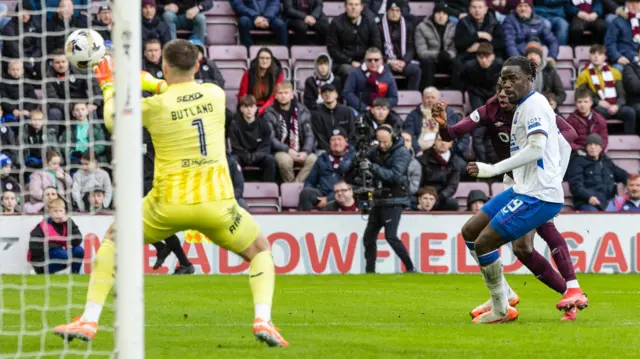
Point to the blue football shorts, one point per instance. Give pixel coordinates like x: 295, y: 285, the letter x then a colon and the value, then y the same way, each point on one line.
x: 513, y: 215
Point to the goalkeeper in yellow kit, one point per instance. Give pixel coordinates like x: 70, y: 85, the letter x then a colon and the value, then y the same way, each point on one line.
x: 192, y: 188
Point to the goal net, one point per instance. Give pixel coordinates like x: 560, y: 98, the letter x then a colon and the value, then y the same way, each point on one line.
x: 52, y: 132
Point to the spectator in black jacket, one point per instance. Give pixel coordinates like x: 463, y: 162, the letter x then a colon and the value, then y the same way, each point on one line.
x: 292, y: 138
x: 480, y: 76
x: 439, y: 171
x: 593, y: 178
x: 426, y: 199
x: 37, y: 140
x: 476, y: 28
x: 322, y: 75
x: 208, y: 71
x: 302, y: 16
x: 399, y: 49
x: 27, y: 48
x: 104, y: 23
x: 152, y: 58
x: 62, y: 23
x: 380, y: 114
x: 261, y: 15
x: 344, y: 201
x: 250, y: 138
x: 152, y: 25
x: 17, y: 104
x: 547, y: 80
x: 350, y: 35
x: 377, y: 9
x: 59, y: 76
x: 7, y: 182
x: 331, y: 115
x: 330, y: 168
x: 187, y: 14
x: 631, y: 82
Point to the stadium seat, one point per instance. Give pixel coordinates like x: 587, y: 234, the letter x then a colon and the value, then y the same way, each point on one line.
x: 407, y: 101
x: 291, y: 194
x: 568, y: 201
x: 305, y: 56
x: 463, y: 191
x: 625, y: 152
x: 279, y: 52
x: 565, y: 59
x: 232, y: 100
x: 262, y: 196
x: 221, y: 8
x: 566, y: 76
x: 569, y: 104
x: 229, y: 56
x: 421, y: 9
x: 301, y: 77
x: 232, y: 78
x: 454, y: 99
x: 497, y: 188
x: 333, y: 9
x: 581, y: 55
x: 629, y: 165
x: 222, y: 31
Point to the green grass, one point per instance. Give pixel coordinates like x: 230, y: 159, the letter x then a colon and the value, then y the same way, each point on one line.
x: 384, y: 316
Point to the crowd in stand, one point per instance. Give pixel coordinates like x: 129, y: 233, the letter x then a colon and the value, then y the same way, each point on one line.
x: 60, y: 148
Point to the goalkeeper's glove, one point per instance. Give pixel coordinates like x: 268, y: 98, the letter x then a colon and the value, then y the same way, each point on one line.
x: 104, y: 73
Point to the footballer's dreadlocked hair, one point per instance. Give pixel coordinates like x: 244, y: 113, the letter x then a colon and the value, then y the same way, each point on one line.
x: 527, y: 66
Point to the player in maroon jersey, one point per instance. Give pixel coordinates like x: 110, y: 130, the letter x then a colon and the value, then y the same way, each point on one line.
x: 496, y: 115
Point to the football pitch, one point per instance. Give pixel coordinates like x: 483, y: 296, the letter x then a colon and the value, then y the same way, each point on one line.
x: 363, y: 316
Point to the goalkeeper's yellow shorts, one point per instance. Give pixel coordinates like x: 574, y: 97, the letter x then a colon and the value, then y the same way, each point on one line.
x: 224, y: 222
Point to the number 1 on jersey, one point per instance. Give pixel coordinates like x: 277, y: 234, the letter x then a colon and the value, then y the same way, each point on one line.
x: 201, y: 135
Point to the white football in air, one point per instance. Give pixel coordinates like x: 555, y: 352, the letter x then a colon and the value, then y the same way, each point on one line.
x: 84, y: 48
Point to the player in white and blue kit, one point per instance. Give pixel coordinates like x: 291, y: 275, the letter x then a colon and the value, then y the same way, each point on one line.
x: 537, y: 195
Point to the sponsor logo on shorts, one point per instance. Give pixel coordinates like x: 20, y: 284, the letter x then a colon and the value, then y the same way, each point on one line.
x: 237, y: 217
x: 197, y: 162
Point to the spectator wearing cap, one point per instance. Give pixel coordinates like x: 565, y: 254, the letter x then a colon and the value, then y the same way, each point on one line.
x: 7, y: 182
x: 208, y: 71
x: 304, y: 15
x: 104, y: 23
x: 27, y: 48
x: 330, y: 168
x: 586, y: 121
x: 397, y: 35
x: 377, y: 9
x: 152, y: 25
x: 554, y: 16
x: 622, y: 39
x: 475, y: 200
x: 607, y: 89
x: 260, y: 15
x: 95, y: 201
x: 524, y: 26
x: 480, y: 76
x: 380, y: 113
x: 371, y: 81
x: 587, y: 16
x: 292, y: 138
x: 426, y: 199
x: 187, y: 15
x: 88, y: 178
x: 439, y: 170
x: 414, y: 173
x: 350, y: 35
x: 477, y: 28
x: 547, y: 79
x: 435, y: 44
x: 630, y: 201
x: 250, y: 138
x: 344, y: 201
x: 65, y: 21
x: 330, y: 115
x: 631, y: 84
x: 593, y: 177
x: 322, y: 75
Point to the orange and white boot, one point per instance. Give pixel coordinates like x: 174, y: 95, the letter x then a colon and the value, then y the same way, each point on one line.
x: 570, y: 315
x: 85, y: 331
x: 573, y: 297
x: 485, y: 307
x: 266, y: 332
x: 496, y: 318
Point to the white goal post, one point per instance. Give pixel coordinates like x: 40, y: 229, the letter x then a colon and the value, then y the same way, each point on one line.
x: 129, y: 286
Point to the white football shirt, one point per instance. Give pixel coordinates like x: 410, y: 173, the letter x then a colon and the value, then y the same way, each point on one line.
x: 541, y: 179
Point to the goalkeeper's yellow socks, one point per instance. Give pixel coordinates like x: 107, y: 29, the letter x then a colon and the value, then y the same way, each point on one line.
x: 262, y: 276
x: 101, y: 281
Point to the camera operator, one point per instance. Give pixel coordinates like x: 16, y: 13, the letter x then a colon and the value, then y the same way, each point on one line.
x: 380, y: 114
x: 388, y: 163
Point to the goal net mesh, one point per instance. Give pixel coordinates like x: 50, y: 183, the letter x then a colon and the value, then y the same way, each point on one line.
x: 67, y: 104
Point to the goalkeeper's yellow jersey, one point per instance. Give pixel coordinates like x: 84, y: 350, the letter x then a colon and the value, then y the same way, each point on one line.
x: 186, y: 124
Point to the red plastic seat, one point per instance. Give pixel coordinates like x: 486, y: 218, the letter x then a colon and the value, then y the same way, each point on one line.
x: 221, y: 8
x: 232, y: 77
x: 305, y: 56
x: 566, y: 76
x: 262, y: 196
x: 463, y: 191
x: 407, y: 101
x: 229, y: 56
x: 569, y: 104
x: 232, y: 100
x: 454, y: 99
x: 290, y: 193
x: 222, y: 31
x: 333, y: 9
x: 581, y: 55
x: 421, y: 9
